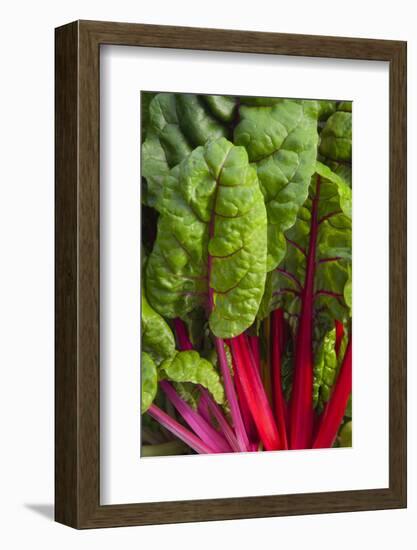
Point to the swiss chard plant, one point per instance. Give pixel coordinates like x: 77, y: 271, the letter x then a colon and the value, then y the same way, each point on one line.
x: 246, y: 274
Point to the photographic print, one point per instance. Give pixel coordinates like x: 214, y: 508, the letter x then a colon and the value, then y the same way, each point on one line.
x: 246, y: 274
x: 204, y: 274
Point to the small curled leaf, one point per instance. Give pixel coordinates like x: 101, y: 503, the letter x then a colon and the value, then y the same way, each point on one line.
x: 325, y: 367
x: 188, y: 366
x: 157, y: 338
x: 149, y: 379
x: 336, y: 137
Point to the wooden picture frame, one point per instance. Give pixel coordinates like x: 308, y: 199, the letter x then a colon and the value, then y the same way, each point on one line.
x: 77, y: 405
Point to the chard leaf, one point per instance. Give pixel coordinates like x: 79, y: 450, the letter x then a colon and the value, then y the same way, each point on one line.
x: 348, y: 411
x: 333, y: 250
x: 345, y: 435
x: 189, y: 392
x: 325, y: 109
x: 145, y: 100
x: 195, y: 120
x: 345, y: 106
x: 336, y: 137
x: 176, y: 124
x: 157, y: 338
x: 281, y: 138
x: 223, y: 107
x: 211, y: 245
x: 188, y: 366
x: 149, y: 380
x: 347, y: 291
x: 325, y: 368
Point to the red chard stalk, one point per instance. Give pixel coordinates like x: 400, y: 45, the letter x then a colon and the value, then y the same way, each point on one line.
x: 302, y: 394
x: 277, y: 328
x: 336, y: 407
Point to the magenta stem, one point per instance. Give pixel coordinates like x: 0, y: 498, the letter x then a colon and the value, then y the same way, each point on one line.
x: 182, y: 336
x: 301, y: 425
x: 231, y: 396
x: 196, y: 422
x: 221, y: 419
x: 179, y: 431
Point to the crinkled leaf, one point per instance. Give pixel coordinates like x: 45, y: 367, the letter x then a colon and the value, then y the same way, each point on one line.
x: 176, y: 124
x: 149, y: 380
x: 333, y: 251
x: 211, y: 245
x: 325, y: 368
x: 223, y: 107
x: 336, y: 137
x: 189, y: 392
x: 345, y: 106
x: 325, y: 108
x: 188, y: 366
x: 197, y: 123
x: 157, y: 338
x: 145, y: 100
x: 281, y: 139
x: 260, y: 101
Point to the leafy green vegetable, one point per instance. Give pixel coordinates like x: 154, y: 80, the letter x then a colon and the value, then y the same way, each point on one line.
x: 149, y: 381
x: 325, y: 366
x: 281, y: 139
x: 223, y: 107
x: 176, y: 124
x: 246, y: 249
x: 325, y: 109
x: 336, y: 137
x: 157, y: 338
x: 189, y: 392
x: 211, y: 245
x: 188, y: 366
x: 333, y: 249
x: 345, y: 435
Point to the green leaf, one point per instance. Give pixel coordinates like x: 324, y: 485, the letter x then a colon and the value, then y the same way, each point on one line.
x: 287, y: 370
x: 211, y: 245
x: 149, y: 381
x: 157, y: 338
x: 345, y: 106
x: 176, y: 124
x: 196, y: 122
x: 188, y: 366
x: 347, y: 291
x: 333, y: 251
x: 145, y: 100
x: 345, y: 435
x: 325, y: 368
x: 281, y: 139
x: 189, y: 392
x: 325, y: 109
x: 223, y: 107
x: 336, y: 137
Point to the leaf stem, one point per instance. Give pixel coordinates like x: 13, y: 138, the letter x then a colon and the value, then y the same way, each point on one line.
x: 221, y: 419
x: 277, y: 327
x: 196, y: 422
x: 255, y: 393
x: 179, y: 431
x: 230, y: 391
x: 301, y: 425
x: 336, y: 406
x: 183, y: 339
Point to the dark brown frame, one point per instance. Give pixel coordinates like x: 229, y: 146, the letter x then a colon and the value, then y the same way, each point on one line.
x: 77, y: 274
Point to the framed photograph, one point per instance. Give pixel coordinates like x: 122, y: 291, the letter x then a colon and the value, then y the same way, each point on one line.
x: 230, y: 274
